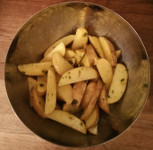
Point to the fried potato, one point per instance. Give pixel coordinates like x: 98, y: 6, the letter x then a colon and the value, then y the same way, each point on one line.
x: 79, y: 53
x: 90, y: 91
x: 50, y: 103
x: 93, y: 101
x: 66, y: 40
x: 37, y: 102
x: 85, y: 61
x: 31, y: 83
x: 68, y: 119
x: 118, y: 84
x: 35, y: 69
x: 41, y: 85
x: 60, y: 48
x: 105, y: 71
x: 78, y: 92
x: 69, y: 54
x: 80, y: 39
x: 64, y: 93
x: 118, y: 53
x: 93, y: 119
x: 91, y: 54
x: 72, y: 61
x: 78, y: 74
x: 109, y: 51
x: 94, y: 130
x: 102, y: 101
x: 71, y: 108
x: 96, y: 44
x: 61, y: 65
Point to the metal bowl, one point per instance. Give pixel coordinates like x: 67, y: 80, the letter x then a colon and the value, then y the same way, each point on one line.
x: 59, y: 20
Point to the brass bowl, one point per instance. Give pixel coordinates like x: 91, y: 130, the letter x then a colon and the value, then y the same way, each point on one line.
x: 57, y: 21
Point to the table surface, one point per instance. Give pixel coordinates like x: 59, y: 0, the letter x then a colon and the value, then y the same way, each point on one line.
x: 13, y: 133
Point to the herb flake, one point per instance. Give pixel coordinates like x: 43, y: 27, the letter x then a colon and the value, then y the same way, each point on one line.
x: 75, y: 101
x: 122, y: 80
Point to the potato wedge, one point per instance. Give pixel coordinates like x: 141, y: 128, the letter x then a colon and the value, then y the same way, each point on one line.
x: 80, y: 39
x: 64, y: 93
x: 105, y: 71
x: 37, y: 102
x: 78, y: 92
x: 85, y: 61
x: 109, y: 51
x: 69, y: 120
x: 31, y: 83
x: 90, y: 91
x: 61, y: 65
x: 94, y: 130
x: 41, y: 85
x: 69, y: 54
x: 93, y: 119
x: 96, y: 44
x: 60, y: 48
x: 66, y: 40
x: 93, y: 101
x: 35, y: 69
x: 72, y: 61
x: 118, y: 53
x: 118, y: 84
x: 71, y: 108
x: 102, y: 101
x: 91, y: 54
x: 79, y: 53
x: 50, y: 103
x: 78, y: 74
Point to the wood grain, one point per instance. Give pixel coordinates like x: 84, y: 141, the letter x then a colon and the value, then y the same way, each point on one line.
x: 13, y: 133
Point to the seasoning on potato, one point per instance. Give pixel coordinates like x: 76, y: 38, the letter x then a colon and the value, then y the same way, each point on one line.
x: 78, y: 73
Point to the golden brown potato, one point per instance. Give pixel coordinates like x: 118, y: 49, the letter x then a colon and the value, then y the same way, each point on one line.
x: 118, y: 84
x: 108, y: 50
x: 90, y: 91
x: 78, y: 74
x: 79, y: 53
x: 35, y: 69
x: 64, y: 93
x: 93, y: 119
x: 60, y: 49
x: 85, y: 61
x: 80, y: 39
x: 61, y: 65
x: 94, y: 130
x: 91, y: 54
x: 105, y: 71
x: 93, y: 101
x: 31, y: 83
x: 66, y: 40
x: 78, y: 92
x: 68, y: 119
x: 37, y: 102
x: 96, y: 44
x: 118, y: 53
x: 41, y: 85
x: 69, y: 53
x: 50, y: 102
x: 102, y: 101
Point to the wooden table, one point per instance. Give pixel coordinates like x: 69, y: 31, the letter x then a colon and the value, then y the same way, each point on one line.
x: 13, y: 133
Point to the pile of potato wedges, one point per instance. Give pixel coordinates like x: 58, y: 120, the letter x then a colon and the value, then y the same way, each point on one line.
x: 78, y: 73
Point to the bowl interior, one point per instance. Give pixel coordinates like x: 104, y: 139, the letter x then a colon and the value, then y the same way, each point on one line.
x: 60, y: 20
